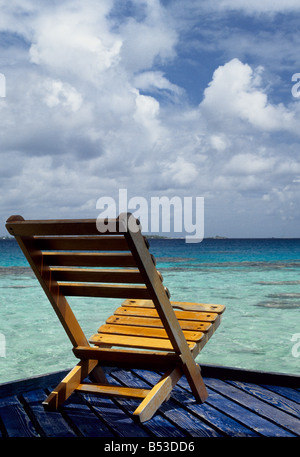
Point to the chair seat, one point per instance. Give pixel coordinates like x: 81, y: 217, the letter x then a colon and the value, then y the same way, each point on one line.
x: 136, y: 324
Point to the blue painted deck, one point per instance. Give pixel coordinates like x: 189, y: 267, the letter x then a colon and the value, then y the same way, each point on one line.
x: 234, y: 408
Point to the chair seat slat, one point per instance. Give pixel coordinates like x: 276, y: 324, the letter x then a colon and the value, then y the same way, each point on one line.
x: 186, y: 315
x: 135, y: 342
x: 184, y: 306
x: 156, y: 322
x: 145, y: 331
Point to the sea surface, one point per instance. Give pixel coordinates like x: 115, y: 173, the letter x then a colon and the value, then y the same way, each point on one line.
x: 257, y: 280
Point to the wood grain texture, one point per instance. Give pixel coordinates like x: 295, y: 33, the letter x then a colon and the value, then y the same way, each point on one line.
x: 184, y: 306
x: 143, y: 331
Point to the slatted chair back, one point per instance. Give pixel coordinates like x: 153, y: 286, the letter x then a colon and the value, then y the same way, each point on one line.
x: 72, y: 258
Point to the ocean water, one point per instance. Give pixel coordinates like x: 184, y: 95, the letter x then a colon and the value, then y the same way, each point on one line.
x: 256, y: 279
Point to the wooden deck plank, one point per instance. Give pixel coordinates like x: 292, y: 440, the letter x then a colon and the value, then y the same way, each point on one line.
x: 84, y: 423
x: 258, y: 406
x: 84, y: 420
x: 223, y: 423
x: 230, y: 410
x: 114, y: 417
x: 270, y: 397
x: 158, y: 425
x: 15, y: 419
x: 250, y: 419
x: 175, y: 413
x: 186, y: 419
x: 287, y: 392
x: 219, y: 420
x: 49, y: 424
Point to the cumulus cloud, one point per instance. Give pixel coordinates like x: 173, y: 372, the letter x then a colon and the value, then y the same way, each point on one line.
x: 236, y: 92
x: 76, y: 40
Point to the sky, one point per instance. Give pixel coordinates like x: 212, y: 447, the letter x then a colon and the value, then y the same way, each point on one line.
x: 162, y: 98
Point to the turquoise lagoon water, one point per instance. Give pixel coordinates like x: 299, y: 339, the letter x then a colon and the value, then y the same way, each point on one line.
x: 257, y: 279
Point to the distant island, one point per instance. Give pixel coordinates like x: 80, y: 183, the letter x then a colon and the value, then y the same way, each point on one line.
x: 217, y: 237
x: 157, y: 236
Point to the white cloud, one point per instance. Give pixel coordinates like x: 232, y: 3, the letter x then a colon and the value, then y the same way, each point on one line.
x: 76, y: 40
x: 236, y: 92
x: 144, y: 43
x: 219, y: 142
x: 257, y: 6
x: 156, y: 81
x: 148, y: 41
x: 249, y: 164
x: 58, y: 93
x: 179, y: 173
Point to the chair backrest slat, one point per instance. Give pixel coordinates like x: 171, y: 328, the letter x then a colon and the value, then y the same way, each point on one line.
x: 81, y: 243
x: 90, y: 259
x: 101, y: 290
x: 61, y: 227
x: 123, y: 276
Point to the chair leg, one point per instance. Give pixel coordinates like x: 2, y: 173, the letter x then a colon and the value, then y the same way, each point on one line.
x: 97, y: 375
x: 196, y: 382
x: 67, y: 386
x: 157, y: 395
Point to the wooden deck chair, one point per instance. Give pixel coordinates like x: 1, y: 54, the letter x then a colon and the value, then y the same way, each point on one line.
x: 73, y: 258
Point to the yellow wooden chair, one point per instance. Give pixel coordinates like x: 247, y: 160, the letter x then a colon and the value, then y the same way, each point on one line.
x: 73, y: 258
